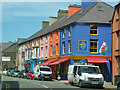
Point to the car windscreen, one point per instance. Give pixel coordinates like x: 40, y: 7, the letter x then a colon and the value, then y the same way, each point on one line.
x: 45, y: 69
x: 91, y: 70
x: 17, y: 71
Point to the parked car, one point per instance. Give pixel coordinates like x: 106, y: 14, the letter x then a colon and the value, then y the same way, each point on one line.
x: 14, y: 73
x: 23, y: 73
x: 11, y: 72
x: 85, y: 75
x: 43, y: 73
x: 30, y: 75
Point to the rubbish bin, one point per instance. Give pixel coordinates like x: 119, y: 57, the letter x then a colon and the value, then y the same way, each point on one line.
x: 116, y: 79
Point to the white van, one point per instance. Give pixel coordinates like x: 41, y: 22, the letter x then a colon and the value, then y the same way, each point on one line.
x: 42, y: 73
x: 85, y: 75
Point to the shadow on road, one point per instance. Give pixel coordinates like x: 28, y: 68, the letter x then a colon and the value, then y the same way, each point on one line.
x: 10, y: 85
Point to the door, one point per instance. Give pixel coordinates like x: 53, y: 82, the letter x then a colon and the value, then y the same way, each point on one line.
x: 74, y: 74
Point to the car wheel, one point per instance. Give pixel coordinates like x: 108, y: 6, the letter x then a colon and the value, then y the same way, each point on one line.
x: 34, y: 78
x: 30, y: 78
x: 71, y: 83
x: 80, y: 84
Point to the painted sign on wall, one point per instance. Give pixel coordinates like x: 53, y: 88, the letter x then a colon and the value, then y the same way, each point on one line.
x: 83, y: 45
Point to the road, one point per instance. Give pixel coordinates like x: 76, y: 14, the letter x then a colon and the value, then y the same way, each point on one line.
x: 20, y: 83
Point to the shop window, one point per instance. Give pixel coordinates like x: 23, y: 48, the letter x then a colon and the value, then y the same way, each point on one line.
x: 94, y: 46
x: 93, y: 29
x: 69, y: 47
x: 63, y: 44
x: 57, y: 35
x: 57, y: 49
x: 69, y: 28
x: 76, y: 61
x: 63, y: 33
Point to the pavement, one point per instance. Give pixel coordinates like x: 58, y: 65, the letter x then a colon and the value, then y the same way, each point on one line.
x: 106, y: 84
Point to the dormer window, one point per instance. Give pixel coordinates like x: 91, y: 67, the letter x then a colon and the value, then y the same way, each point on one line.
x: 99, y: 8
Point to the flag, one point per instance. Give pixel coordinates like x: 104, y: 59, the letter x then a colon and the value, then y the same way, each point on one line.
x: 103, y: 48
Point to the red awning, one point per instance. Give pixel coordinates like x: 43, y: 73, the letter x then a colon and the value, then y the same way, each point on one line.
x: 48, y: 62
x: 97, y: 60
x: 59, y: 61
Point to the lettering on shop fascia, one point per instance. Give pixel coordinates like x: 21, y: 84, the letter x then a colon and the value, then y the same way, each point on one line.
x: 78, y: 57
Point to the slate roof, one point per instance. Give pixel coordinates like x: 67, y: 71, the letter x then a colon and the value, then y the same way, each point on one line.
x: 3, y: 46
x: 89, y: 15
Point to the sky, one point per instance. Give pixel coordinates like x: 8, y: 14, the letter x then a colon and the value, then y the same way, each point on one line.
x: 23, y: 19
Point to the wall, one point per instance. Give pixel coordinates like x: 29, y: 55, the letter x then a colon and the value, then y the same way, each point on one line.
x: 53, y: 43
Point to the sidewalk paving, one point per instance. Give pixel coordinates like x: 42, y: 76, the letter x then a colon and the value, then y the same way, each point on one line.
x: 107, y: 85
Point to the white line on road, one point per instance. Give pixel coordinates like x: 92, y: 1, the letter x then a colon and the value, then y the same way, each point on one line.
x: 44, y: 86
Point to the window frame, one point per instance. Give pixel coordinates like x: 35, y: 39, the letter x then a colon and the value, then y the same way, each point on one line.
x: 51, y: 39
x: 63, y: 32
x: 57, y: 35
x: 69, y: 47
x: 57, y: 49
x: 51, y: 54
x: 63, y: 47
x: 69, y: 29
x: 94, y: 29
x: 94, y: 40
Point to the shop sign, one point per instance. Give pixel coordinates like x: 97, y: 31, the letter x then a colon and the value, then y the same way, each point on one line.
x: 83, y: 45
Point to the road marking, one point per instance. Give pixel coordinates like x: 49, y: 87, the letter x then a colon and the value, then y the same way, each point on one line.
x: 44, y: 86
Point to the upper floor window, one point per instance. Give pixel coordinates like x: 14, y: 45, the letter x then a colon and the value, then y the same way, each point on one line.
x: 63, y: 45
x: 57, y: 35
x: 69, y: 46
x: 41, y: 40
x: 46, y: 38
x: 99, y: 8
x: 51, y: 51
x: 63, y: 33
x: 41, y: 51
x: 33, y: 43
x: 93, y: 29
x: 118, y: 40
x: 51, y: 37
x: 46, y: 51
x: 94, y: 46
x: 57, y: 49
x: 69, y: 28
x: 118, y: 12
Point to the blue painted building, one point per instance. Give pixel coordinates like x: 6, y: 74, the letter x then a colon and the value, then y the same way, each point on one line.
x: 85, y: 32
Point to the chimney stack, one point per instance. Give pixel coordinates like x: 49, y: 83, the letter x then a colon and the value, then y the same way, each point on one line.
x: 45, y: 24
x: 73, y: 8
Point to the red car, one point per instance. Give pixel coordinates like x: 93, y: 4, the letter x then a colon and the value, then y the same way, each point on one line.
x: 30, y: 75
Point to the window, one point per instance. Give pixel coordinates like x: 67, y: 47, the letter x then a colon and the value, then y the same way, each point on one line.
x: 57, y: 49
x: 99, y: 8
x: 63, y: 44
x: 63, y: 33
x: 51, y: 37
x: 69, y: 46
x: 41, y: 51
x: 33, y: 43
x: 46, y: 51
x: 41, y: 40
x: 69, y: 28
x: 118, y: 12
x: 94, y: 46
x: 37, y: 52
x: 93, y: 29
x: 76, y: 61
x: 118, y: 40
x: 51, y: 51
x: 57, y: 35
x: 46, y: 38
